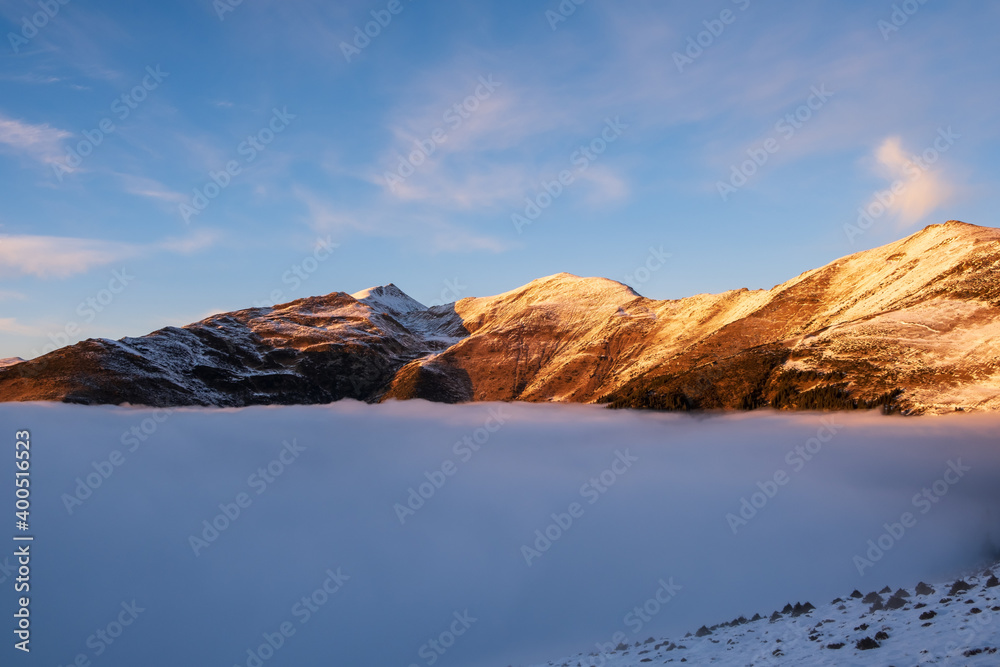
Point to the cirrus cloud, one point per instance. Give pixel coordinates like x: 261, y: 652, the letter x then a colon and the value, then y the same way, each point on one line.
x: 39, y: 142
x: 62, y: 257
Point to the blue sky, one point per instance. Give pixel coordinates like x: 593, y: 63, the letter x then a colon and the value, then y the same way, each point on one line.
x: 325, y: 186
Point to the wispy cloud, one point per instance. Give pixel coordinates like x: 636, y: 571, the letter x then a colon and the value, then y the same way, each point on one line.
x: 59, y: 257
x: 62, y: 257
x: 430, y: 233
x: 10, y: 325
x: 606, y: 185
x: 476, y: 141
x: 151, y: 189
x: 11, y: 295
x: 38, y: 142
x: 926, y: 187
x: 201, y: 239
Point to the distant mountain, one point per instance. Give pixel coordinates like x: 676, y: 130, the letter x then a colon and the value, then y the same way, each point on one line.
x: 913, y: 326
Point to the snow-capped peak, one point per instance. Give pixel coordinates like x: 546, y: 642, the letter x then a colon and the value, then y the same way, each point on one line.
x: 390, y: 299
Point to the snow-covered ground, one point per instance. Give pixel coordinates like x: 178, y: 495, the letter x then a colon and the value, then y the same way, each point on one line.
x: 481, y: 535
x: 944, y: 624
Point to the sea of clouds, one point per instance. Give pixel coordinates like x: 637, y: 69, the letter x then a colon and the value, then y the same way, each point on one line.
x: 478, y: 535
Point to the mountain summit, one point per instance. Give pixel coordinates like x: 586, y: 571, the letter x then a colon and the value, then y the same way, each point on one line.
x: 913, y: 326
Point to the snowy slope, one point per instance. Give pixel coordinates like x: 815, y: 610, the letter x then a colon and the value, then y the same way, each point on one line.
x: 914, y: 324
x: 943, y: 624
x: 389, y: 299
x: 313, y: 350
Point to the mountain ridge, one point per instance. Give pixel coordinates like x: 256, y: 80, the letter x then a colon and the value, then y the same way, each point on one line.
x: 912, y: 326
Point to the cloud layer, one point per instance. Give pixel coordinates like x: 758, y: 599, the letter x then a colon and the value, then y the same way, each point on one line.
x: 549, y: 524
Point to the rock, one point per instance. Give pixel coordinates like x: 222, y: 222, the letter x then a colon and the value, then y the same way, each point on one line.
x: 881, y: 635
x: 928, y: 615
x: 867, y: 644
x: 886, y: 591
x: 993, y: 582
x: 895, y: 602
x: 775, y: 616
x: 756, y: 617
x: 788, y: 609
x: 856, y: 594
x: 836, y: 646
x: 959, y: 586
x: 924, y: 589
x: 871, y: 598
x: 902, y: 593
x: 702, y: 632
